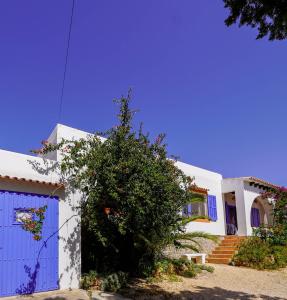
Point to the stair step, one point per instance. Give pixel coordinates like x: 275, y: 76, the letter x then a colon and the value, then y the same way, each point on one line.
x: 218, y: 260
x: 227, y: 248
x: 229, y: 244
x: 231, y: 241
x: 227, y: 237
x: 223, y: 252
x: 220, y: 255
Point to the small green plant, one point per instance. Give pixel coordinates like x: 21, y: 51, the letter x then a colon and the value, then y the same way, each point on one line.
x: 209, y: 269
x: 114, y: 281
x: 173, y: 278
x: 111, y: 282
x: 90, y: 280
x: 170, y: 268
x: 191, y: 272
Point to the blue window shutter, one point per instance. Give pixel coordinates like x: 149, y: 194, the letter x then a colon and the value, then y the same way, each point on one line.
x: 212, y: 209
x: 255, y: 217
x: 252, y: 217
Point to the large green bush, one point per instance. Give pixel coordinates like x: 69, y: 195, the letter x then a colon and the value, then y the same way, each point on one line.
x: 260, y: 254
x: 133, y: 193
x: 267, y: 249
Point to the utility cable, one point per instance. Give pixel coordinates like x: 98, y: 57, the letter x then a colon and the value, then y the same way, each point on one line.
x: 66, y: 61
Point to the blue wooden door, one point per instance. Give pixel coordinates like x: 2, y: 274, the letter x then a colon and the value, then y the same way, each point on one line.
x: 26, y: 265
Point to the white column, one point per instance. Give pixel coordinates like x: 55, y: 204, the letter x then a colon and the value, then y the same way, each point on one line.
x: 250, y: 194
x: 240, y: 210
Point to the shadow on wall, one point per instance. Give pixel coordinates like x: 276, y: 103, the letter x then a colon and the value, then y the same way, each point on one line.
x: 154, y: 292
x: 30, y: 287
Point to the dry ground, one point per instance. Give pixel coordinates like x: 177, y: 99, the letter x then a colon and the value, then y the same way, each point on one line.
x: 226, y: 282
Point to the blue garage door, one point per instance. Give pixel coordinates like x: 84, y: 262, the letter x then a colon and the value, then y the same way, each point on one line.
x: 26, y: 265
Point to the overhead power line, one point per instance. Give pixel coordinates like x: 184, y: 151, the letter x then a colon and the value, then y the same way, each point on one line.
x: 66, y: 61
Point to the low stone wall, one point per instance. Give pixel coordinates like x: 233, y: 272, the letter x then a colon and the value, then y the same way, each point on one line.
x: 207, y: 246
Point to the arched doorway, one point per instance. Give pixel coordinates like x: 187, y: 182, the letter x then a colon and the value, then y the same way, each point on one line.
x: 261, y: 212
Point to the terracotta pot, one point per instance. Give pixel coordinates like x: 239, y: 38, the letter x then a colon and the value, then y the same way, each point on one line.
x: 107, y: 210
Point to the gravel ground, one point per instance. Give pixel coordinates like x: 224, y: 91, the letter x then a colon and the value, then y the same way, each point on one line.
x: 68, y: 295
x: 227, y: 282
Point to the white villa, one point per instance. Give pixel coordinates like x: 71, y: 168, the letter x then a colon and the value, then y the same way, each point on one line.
x: 233, y: 206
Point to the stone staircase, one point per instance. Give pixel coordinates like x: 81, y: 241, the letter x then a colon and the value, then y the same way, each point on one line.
x: 223, y: 253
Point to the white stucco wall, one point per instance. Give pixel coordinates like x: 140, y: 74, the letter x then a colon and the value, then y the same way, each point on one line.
x: 211, y: 181
x: 30, y: 167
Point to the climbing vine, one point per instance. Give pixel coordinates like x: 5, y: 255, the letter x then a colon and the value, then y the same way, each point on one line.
x: 35, y: 224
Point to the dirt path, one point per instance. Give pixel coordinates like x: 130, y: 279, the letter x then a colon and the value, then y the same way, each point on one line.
x: 226, y: 282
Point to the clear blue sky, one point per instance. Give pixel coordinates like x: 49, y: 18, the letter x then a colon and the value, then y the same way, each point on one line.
x: 218, y: 94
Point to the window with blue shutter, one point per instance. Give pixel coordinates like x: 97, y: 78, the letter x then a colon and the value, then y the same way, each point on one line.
x: 212, y: 209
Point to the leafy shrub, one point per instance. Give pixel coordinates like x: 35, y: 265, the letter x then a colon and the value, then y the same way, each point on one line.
x: 260, y: 254
x: 280, y: 235
x: 280, y: 256
x: 275, y: 235
x: 111, y: 283
x: 268, y: 248
x: 90, y: 280
x: 252, y: 252
x: 168, y: 268
x: 264, y: 233
x: 133, y: 194
x: 209, y: 269
x: 114, y: 281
